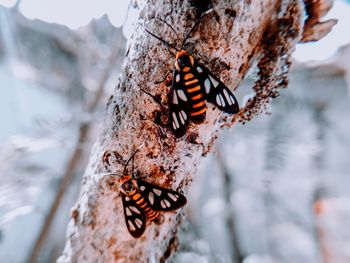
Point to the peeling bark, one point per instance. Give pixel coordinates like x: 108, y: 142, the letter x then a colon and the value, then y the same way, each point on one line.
x: 314, y: 29
x: 237, y: 35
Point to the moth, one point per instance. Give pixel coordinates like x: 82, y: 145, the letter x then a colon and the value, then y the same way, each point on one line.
x: 193, y: 85
x: 143, y: 201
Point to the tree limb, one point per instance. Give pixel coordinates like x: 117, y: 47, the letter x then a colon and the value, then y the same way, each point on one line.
x: 237, y: 35
x: 314, y: 29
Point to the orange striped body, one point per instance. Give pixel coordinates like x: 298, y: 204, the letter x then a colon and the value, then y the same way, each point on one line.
x: 197, y: 101
x: 143, y: 205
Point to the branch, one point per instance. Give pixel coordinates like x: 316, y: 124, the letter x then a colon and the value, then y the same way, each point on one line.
x: 314, y: 29
x: 76, y: 157
x: 236, y: 254
x: 234, y: 37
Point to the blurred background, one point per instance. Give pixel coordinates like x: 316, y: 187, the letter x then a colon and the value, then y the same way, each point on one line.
x: 277, y: 189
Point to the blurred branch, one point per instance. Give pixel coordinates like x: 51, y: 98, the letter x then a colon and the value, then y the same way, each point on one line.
x: 76, y: 159
x: 237, y: 254
x: 314, y: 29
x: 16, y: 6
x: 320, y: 191
x: 318, y: 211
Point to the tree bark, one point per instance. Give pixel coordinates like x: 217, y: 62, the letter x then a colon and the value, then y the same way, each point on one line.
x: 235, y: 36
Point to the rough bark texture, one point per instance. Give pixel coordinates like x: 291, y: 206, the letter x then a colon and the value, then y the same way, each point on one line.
x: 237, y: 35
x: 314, y: 29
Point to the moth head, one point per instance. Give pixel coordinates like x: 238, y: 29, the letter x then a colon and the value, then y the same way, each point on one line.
x: 184, y: 59
x: 128, y: 185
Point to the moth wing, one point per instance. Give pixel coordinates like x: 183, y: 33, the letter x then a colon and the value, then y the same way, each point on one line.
x: 160, y: 198
x: 178, y: 105
x: 135, y: 218
x: 216, y: 91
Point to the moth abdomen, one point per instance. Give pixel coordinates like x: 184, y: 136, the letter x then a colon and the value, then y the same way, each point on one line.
x: 195, y: 96
x: 143, y: 205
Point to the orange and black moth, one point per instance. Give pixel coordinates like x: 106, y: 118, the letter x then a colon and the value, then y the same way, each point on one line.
x: 143, y: 201
x: 193, y: 85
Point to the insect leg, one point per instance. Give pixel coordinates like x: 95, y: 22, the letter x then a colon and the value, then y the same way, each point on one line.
x: 163, y: 80
x: 156, y: 98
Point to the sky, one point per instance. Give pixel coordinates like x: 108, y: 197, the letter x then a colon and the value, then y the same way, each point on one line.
x: 73, y: 14
x: 79, y: 12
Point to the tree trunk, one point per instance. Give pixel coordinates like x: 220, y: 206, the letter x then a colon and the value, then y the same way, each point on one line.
x: 229, y: 40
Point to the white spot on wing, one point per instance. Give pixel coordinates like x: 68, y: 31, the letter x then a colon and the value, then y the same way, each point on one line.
x: 232, y: 99
x: 222, y: 101
x: 175, y: 121
x: 157, y: 192
x: 131, y: 226
x: 138, y: 222
x: 151, y: 198
x: 162, y: 204
x: 172, y: 196
x: 182, y: 95
x: 174, y: 126
x: 167, y: 203
x: 175, y: 101
x: 127, y: 211
x: 199, y: 69
x: 127, y: 198
x: 142, y: 188
x: 184, y: 115
x: 207, y: 85
x: 134, y: 209
x: 218, y: 101
x: 227, y: 96
x: 182, y: 119
x: 177, y: 77
x: 214, y: 81
x: 223, y: 104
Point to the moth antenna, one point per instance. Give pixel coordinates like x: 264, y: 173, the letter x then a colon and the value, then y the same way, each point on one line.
x: 195, y: 25
x: 106, y: 174
x: 162, y: 40
x: 132, y: 167
x: 172, y: 53
x: 131, y: 157
x: 165, y: 22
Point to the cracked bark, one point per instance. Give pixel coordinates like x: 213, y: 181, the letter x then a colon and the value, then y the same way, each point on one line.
x: 237, y: 35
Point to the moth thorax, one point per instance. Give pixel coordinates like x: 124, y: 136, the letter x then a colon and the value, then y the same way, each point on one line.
x: 128, y: 185
x: 183, y: 59
x: 124, y: 179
